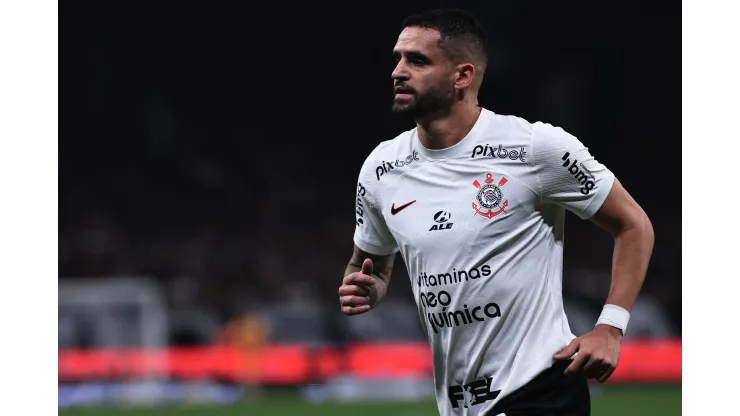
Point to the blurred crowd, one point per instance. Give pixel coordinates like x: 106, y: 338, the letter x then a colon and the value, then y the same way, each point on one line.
x: 185, y: 159
x: 220, y: 257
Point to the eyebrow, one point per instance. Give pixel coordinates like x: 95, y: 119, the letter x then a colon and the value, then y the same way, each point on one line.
x: 412, y: 54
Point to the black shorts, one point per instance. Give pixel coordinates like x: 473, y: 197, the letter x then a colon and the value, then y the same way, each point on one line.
x: 549, y: 394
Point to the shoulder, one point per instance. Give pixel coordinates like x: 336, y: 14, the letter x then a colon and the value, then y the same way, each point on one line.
x: 391, y: 148
x: 543, y: 142
x: 512, y: 125
x: 390, y: 154
x: 551, y: 142
x: 506, y: 130
x: 552, y: 137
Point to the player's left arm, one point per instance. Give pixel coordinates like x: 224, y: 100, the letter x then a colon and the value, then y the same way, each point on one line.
x: 633, y: 235
x: 598, y: 350
x: 569, y: 176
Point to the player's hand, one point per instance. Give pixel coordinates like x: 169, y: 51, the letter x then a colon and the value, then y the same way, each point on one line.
x: 598, y: 353
x: 354, y: 294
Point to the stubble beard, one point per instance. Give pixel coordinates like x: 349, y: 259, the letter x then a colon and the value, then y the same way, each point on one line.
x: 435, y: 101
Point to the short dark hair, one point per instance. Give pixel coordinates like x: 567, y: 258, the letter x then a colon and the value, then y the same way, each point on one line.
x: 461, y: 35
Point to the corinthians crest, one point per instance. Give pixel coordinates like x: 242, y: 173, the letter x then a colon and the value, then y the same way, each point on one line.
x: 490, y: 199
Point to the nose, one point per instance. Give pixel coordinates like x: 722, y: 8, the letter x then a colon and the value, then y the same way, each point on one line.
x: 400, y: 72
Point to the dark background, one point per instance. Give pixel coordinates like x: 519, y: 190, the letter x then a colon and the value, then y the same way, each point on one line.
x: 216, y: 146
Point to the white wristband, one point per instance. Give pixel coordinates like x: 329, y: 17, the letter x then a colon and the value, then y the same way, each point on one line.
x: 615, y: 316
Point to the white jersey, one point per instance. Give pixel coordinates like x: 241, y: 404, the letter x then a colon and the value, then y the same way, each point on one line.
x: 480, y: 227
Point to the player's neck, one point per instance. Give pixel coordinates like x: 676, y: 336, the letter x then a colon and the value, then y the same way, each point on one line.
x: 446, y: 131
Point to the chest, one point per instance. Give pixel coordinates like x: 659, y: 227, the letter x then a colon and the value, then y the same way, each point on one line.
x: 450, y: 206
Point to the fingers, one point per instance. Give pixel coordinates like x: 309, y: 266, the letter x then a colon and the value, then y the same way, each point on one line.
x: 350, y: 310
x: 358, y: 279
x: 599, y: 369
x: 568, y: 351
x: 367, y: 267
x: 577, y: 364
x: 354, y: 300
x: 602, y: 369
x: 594, y: 357
x: 592, y: 366
x: 606, y: 375
x: 346, y: 290
x: 355, y: 290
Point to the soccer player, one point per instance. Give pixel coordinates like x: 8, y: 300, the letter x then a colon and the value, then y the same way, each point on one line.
x: 475, y: 203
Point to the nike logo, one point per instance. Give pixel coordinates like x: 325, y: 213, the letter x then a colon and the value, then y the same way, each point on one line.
x: 395, y: 210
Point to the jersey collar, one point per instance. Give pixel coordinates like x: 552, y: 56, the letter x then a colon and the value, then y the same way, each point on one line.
x: 459, y: 147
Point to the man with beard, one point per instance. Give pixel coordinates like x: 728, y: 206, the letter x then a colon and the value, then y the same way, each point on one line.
x: 475, y: 203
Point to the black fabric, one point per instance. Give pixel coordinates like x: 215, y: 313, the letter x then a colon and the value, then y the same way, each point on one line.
x: 549, y: 394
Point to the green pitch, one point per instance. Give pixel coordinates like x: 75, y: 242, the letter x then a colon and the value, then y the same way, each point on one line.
x: 609, y: 401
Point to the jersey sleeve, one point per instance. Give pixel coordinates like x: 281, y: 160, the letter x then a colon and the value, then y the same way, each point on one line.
x: 371, y: 232
x: 568, y: 174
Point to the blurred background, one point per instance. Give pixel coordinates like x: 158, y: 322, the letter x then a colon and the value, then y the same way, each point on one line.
x: 208, y: 166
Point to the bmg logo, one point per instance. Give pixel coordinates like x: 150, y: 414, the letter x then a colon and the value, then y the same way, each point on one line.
x: 580, y: 173
x: 359, y: 207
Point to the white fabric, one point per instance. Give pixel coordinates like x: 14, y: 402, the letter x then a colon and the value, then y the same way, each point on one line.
x: 615, y: 316
x: 483, y: 243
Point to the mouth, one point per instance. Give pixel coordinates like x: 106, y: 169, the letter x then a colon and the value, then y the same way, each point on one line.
x: 403, y: 93
x: 404, y: 96
x: 403, y: 90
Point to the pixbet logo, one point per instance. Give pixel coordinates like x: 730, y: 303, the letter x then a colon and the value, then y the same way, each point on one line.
x: 471, y: 394
x: 500, y: 152
x: 441, y: 218
x: 580, y: 173
x: 386, y: 167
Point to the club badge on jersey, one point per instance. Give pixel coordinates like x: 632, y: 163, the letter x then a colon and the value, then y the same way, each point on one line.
x: 490, y: 198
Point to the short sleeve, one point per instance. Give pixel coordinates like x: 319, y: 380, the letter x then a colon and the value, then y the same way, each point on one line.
x: 568, y: 174
x: 371, y: 232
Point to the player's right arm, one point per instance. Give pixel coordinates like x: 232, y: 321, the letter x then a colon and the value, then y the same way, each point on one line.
x: 365, y: 281
x: 368, y: 273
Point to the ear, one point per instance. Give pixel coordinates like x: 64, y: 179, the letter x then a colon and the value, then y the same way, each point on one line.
x: 464, y: 75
